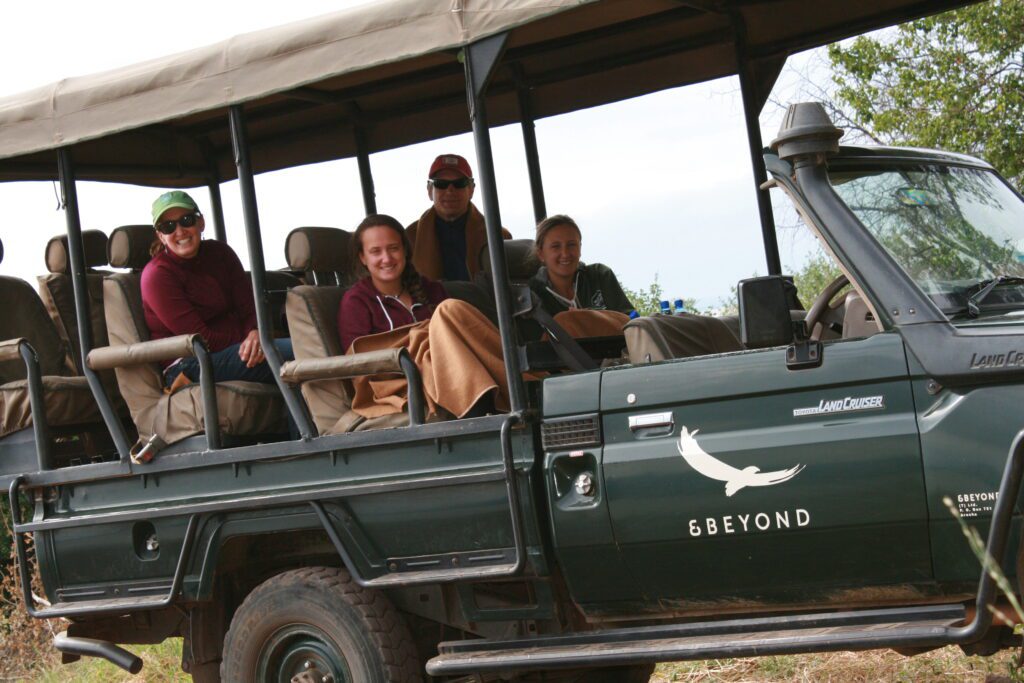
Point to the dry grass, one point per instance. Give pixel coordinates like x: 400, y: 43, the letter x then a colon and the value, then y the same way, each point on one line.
x: 946, y: 665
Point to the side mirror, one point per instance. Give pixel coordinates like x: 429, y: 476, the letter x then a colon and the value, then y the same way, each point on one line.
x: 764, y: 311
x: 765, y: 321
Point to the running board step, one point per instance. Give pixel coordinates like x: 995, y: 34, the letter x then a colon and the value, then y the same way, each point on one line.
x: 80, y: 608
x: 788, y: 634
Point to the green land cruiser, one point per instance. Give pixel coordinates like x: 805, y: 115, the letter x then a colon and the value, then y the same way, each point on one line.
x: 776, y: 486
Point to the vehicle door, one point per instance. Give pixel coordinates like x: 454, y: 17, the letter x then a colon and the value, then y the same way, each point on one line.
x: 731, y: 478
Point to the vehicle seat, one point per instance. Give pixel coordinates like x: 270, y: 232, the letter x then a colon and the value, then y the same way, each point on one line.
x: 521, y: 262
x: 313, y: 320
x: 248, y: 409
x: 858, y: 321
x: 663, y: 337
x: 68, y: 400
x: 321, y: 254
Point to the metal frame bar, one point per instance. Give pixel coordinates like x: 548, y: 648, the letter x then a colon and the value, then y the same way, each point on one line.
x: 76, y: 256
x: 26, y: 580
x: 363, y: 160
x: 40, y: 426
x: 208, y: 389
x: 217, y: 212
x: 257, y: 267
x: 481, y: 58
x: 540, y: 210
x: 751, y: 110
x: 448, y: 575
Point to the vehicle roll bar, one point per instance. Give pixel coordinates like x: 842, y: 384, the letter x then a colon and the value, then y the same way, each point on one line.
x: 76, y: 257
x: 257, y: 266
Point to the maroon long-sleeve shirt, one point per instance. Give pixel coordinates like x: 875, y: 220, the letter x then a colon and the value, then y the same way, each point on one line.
x: 208, y: 294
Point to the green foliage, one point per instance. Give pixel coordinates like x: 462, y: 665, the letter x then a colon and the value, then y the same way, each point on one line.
x: 818, y: 272
x: 953, y: 81
x: 648, y: 301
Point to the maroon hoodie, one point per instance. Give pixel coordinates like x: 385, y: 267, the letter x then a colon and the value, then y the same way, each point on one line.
x: 365, y: 311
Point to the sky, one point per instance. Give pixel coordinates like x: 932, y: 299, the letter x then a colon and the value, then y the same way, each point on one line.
x: 661, y: 185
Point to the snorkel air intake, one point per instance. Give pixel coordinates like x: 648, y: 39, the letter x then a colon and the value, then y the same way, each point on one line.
x: 806, y: 135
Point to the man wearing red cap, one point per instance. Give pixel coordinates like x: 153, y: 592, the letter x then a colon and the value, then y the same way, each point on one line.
x: 447, y: 238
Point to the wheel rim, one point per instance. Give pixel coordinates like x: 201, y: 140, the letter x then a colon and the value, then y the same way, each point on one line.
x: 303, y: 654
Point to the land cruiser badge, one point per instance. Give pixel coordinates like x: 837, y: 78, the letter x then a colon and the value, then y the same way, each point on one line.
x: 842, y: 405
x: 734, y: 478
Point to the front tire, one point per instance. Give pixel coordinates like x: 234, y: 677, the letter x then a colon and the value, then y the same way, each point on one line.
x: 317, y: 623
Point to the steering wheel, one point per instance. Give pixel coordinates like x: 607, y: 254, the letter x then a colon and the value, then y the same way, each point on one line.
x: 823, y: 305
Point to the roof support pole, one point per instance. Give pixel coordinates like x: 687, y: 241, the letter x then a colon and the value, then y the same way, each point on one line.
x: 217, y: 212
x: 480, y: 60
x: 751, y: 110
x: 363, y: 161
x: 250, y: 213
x: 76, y: 256
x: 540, y: 210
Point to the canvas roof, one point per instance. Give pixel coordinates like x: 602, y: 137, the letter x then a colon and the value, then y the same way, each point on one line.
x: 392, y: 70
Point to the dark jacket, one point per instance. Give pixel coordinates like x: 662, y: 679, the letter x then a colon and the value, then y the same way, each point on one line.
x: 365, y: 311
x: 597, y: 289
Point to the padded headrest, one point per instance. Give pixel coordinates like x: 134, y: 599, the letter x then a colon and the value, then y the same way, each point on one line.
x: 128, y: 246
x: 318, y: 249
x: 520, y: 260
x: 94, y: 244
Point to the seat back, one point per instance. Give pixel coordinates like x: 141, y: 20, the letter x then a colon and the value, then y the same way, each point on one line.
x: 662, y: 337
x: 25, y: 316
x: 313, y: 320
x: 141, y: 386
x: 858, y: 321
x: 322, y: 254
x: 520, y: 260
x: 57, y: 293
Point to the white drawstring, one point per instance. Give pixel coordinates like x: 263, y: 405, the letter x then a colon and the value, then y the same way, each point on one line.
x: 385, y: 309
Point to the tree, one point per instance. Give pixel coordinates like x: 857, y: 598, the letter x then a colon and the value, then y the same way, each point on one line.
x: 953, y: 81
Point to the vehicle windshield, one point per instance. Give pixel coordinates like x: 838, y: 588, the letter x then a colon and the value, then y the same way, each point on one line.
x: 951, y: 228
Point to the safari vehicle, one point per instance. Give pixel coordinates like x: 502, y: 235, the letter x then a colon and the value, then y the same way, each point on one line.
x: 779, y: 491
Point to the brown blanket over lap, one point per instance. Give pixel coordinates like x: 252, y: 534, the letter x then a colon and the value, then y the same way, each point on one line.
x: 458, y: 352
x: 581, y: 323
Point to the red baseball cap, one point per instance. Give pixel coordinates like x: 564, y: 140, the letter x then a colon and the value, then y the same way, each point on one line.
x: 452, y: 162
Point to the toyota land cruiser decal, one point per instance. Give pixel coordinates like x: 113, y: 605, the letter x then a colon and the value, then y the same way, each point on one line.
x: 842, y: 405
x: 734, y: 478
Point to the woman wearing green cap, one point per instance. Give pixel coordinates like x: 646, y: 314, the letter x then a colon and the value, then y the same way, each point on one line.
x: 196, y: 286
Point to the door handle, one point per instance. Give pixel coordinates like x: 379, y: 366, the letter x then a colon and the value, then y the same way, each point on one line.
x: 637, y: 422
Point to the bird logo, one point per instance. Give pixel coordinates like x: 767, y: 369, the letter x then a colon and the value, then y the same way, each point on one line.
x: 734, y: 478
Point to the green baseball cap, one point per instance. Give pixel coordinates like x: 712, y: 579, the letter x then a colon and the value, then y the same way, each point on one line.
x: 174, y: 199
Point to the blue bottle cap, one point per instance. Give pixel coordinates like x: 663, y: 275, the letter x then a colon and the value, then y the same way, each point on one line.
x: 633, y: 314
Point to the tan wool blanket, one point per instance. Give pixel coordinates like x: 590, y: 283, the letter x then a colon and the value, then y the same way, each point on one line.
x: 584, y: 322
x: 458, y: 352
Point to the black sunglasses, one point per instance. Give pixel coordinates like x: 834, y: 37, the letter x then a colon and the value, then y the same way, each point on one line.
x: 187, y: 221
x: 461, y: 183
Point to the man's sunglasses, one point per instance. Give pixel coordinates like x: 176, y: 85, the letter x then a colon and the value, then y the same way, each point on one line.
x: 461, y: 183
x: 187, y: 221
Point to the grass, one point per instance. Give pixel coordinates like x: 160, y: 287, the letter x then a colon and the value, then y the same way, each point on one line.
x: 945, y: 665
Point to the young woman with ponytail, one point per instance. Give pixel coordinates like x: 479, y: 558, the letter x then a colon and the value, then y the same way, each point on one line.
x: 457, y: 349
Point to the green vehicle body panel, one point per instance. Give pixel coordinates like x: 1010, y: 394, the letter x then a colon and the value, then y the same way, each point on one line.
x: 856, y: 512
x: 429, y: 520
